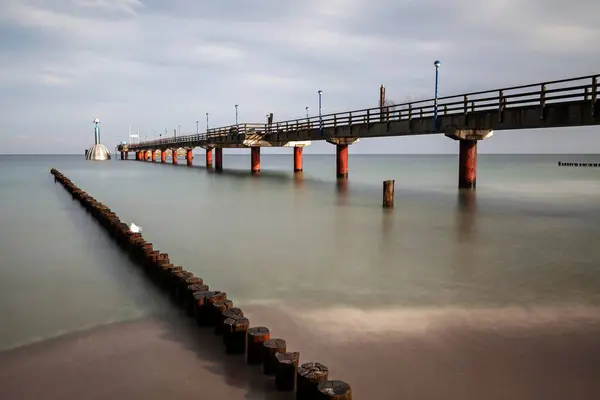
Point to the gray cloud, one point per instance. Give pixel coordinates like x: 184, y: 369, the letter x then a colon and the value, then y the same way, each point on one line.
x: 160, y: 64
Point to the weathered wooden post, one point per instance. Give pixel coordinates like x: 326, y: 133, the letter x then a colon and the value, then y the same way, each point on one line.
x: 388, y: 194
x: 256, y: 338
x: 338, y: 390
x: 270, y: 348
x: 309, y: 376
x: 286, y: 371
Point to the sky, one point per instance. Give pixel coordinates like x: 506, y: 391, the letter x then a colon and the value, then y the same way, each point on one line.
x: 157, y: 64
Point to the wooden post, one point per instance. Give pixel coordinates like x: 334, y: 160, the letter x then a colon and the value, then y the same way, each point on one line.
x: 256, y: 338
x: 286, y: 371
x: 270, y: 348
x: 229, y: 313
x: 217, y: 310
x: 388, y: 194
x: 219, y: 158
x: 309, y: 376
x: 235, y: 340
x: 338, y: 390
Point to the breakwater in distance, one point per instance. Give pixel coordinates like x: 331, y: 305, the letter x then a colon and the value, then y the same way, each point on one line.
x: 212, y: 309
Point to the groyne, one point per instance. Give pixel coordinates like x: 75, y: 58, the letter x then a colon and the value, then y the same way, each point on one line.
x: 212, y: 309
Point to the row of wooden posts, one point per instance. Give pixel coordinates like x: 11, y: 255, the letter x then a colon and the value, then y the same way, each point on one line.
x: 212, y: 308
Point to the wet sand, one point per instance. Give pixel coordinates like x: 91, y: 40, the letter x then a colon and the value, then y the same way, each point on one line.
x: 383, y: 354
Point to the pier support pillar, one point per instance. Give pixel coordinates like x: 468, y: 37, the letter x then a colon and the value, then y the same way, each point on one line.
x: 467, y: 154
x: 122, y: 155
x: 163, y: 156
x: 137, y: 156
x: 153, y: 153
x: 127, y: 155
x: 467, y: 164
x: 341, y: 159
x: 255, y: 159
x: 219, y: 158
x: 144, y: 155
x: 174, y: 156
x: 209, y: 158
x: 298, y: 159
x: 189, y: 156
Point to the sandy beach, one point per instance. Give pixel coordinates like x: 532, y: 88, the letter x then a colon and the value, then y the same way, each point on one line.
x: 169, y: 357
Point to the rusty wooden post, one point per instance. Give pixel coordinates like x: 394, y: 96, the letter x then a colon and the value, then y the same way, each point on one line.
x: 338, y: 390
x: 286, y: 371
x: 256, y: 338
x: 270, y: 348
x: 309, y: 376
x: 235, y: 340
x: 388, y: 193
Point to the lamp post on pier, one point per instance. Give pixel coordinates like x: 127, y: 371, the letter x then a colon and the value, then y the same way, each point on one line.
x: 435, y: 101
x: 320, y: 112
x: 197, y: 131
x: 206, y: 122
x: 306, y: 109
x: 237, y: 126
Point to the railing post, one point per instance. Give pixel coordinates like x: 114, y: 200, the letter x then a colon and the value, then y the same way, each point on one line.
x: 500, y: 105
x: 421, y: 112
x: 594, y: 93
x: 335, y: 120
x: 542, y: 101
x: 472, y: 105
x: 368, y: 118
x: 445, y: 110
x: 410, y: 111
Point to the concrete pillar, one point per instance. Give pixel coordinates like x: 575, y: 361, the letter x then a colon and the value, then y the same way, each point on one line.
x: 342, y: 160
x: 467, y: 164
x: 298, y: 159
x: 467, y: 154
x: 189, y: 156
x: 174, y: 156
x: 153, y: 154
x: 209, y: 158
x: 163, y: 156
x: 219, y: 158
x: 255, y: 159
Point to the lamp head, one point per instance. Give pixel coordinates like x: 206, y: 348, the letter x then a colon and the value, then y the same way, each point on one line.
x: 437, y: 63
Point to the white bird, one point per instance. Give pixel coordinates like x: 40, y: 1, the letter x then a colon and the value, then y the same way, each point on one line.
x: 134, y: 228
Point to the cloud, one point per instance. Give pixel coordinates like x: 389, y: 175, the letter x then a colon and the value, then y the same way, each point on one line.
x: 160, y: 64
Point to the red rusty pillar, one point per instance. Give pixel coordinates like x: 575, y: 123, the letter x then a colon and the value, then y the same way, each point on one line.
x: 342, y: 160
x: 145, y: 155
x: 174, y: 156
x: 163, y: 156
x: 138, y: 156
x: 219, y: 158
x: 127, y: 155
x: 298, y: 159
x: 467, y: 164
x: 255, y: 159
x: 209, y: 158
x: 153, y: 152
x: 189, y: 156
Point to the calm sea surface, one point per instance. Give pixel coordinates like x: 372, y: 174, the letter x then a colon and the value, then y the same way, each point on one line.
x: 528, y: 238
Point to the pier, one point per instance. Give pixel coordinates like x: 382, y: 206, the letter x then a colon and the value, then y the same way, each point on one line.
x: 466, y: 118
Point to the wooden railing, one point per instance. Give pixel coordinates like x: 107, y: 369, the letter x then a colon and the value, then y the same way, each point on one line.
x: 535, y: 95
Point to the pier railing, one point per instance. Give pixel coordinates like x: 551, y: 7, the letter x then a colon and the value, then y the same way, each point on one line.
x: 579, y: 89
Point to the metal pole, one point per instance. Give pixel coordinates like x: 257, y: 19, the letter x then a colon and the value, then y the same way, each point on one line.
x: 435, y: 101
x: 206, y: 122
x: 237, y: 126
x: 306, y: 108
x: 320, y: 113
x: 178, y: 130
x: 197, y: 128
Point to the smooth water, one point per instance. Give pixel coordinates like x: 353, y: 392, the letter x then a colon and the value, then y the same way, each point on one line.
x: 528, y: 237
